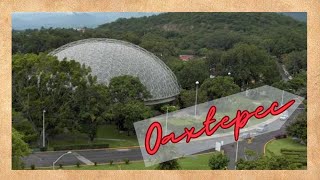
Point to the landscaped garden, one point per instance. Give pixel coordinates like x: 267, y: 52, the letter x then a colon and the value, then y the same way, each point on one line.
x: 106, y: 134
x: 293, y: 151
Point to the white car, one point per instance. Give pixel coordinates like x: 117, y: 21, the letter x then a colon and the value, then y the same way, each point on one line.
x: 284, y: 116
x: 245, y: 135
x: 262, y: 128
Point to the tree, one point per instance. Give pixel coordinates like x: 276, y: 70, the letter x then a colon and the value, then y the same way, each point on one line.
x: 192, y: 71
x: 41, y: 82
x: 218, y: 87
x: 299, y: 128
x: 296, y: 61
x: 187, y: 98
x: 128, y: 95
x: 65, y: 89
x: 19, y: 149
x: 134, y: 111
x: 158, y: 45
x: 91, y: 100
x: 25, y: 127
x: 218, y: 161
x: 297, y: 85
x: 249, y: 66
x: 213, y: 58
x: 126, y: 88
x: 169, y: 165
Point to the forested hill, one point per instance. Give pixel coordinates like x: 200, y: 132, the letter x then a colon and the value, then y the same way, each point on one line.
x: 186, y: 32
x: 193, y: 31
x: 250, y: 46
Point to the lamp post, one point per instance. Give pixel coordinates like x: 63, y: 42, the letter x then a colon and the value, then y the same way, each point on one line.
x: 69, y: 152
x: 43, y: 130
x: 167, y: 115
x: 195, y: 106
x: 236, y: 159
x: 167, y: 119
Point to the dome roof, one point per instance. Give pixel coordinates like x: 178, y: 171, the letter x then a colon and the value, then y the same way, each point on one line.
x: 109, y: 58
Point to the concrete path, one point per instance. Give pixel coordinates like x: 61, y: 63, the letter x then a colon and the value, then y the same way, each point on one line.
x: 82, y: 159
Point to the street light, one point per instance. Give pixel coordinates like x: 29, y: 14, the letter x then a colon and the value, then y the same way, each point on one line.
x: 69, y: 152
x: 167, y: 114
x: 236, y: 159
x: 43, y: 129
x: 195, y: 107
x: 167, y: 119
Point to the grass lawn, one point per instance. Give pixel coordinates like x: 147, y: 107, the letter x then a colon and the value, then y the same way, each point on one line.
x: 196, y: 162
x: 105, y: 134
x: 276, y: 145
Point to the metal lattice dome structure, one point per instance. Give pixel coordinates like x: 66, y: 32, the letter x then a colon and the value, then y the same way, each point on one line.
x: 110, y: 58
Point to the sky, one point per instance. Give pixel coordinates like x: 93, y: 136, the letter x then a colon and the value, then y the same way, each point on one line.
x: 36, y: 20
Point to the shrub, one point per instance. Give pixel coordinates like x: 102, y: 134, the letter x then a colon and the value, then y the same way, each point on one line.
x: 295, y: 166
x: 33, y: 167
x: 281, y: 136
x: 78, y: 164
x: 218, y: 161
x: 294, y: 153
x: 60, y: 166
x: 169, y: 165
x: 22, y: 166
x: 126, y: 161
x: 80, y: 146
x: 111, y: 162
x: 292, y: 150
x: 95, y: 163
x: 43, y: 149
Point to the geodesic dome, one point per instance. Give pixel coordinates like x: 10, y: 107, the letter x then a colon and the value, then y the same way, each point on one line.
x: 110, y: 58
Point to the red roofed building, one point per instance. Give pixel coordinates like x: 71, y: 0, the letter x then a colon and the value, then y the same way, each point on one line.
x: 185, y: 57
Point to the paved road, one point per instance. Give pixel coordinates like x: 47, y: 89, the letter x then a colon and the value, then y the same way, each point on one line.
x: 258, y: 142
x: 283, y: 71
x: 45, y: 159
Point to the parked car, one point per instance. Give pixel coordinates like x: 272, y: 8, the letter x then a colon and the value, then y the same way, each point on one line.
x: 247, y: 135
x: 262, y: 128
x: 284, y: 116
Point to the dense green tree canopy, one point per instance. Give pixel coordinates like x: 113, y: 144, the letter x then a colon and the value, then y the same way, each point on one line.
x: 134, y: 111
x: 218, y: 87
x: 127, y: 94
x: 296, y: 61
x: 299, y: 128
x: 19, y: 149
x: 125, y: 88
x: 297, y: 85
x: 191, y: 72
x: 25, y: 127
x: 187, y: 98
x: 249, y: 66
x: 64, y: 89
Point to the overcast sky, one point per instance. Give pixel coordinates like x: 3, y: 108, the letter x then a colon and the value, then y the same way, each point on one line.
x: 34, y: 20
x: 26, y: 20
